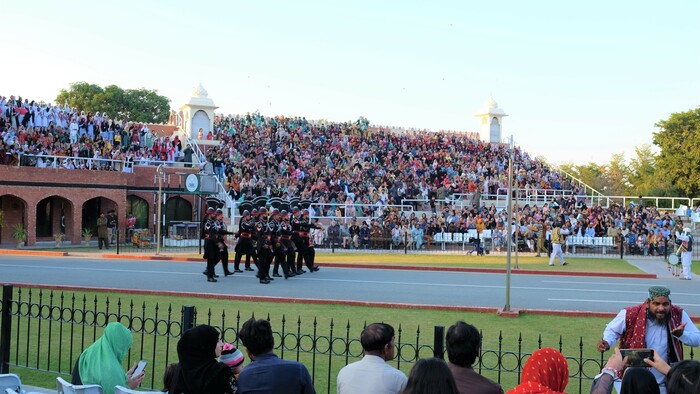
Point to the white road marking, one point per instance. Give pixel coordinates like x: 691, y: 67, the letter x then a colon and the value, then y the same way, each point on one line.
x: 596, y: 283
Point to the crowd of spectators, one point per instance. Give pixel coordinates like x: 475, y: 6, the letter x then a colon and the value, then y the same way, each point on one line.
x: 643, y: 230
x: 32, y: 132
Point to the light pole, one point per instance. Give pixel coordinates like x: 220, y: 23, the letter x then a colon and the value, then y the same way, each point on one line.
x: 159, y: 174
x: 509, y: 228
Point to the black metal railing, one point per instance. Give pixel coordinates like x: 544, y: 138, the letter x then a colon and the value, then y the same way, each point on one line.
x: 46, y: 330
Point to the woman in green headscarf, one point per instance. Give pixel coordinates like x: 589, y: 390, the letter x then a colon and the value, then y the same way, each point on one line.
x: 101, y: 362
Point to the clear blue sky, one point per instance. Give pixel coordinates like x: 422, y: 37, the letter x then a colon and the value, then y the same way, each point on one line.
x: 580, y: 80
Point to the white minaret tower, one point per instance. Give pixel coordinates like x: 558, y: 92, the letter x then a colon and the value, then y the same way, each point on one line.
x: 198, y: 114
x: 491, y: 118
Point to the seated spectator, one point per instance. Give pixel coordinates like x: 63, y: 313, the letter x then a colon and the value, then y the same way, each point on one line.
x: 169, y: 377
x: 463, y: 345
x: 372, y: 374
x: 430, y: 376
x: 546, y: 371
x: 364, y: 236
x: 199, y: 371
x: 266, y: 372
x: 234, y: 359
x: 101, y: 362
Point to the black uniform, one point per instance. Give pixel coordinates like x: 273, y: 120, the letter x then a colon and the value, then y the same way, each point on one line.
x: 264, y: 249
x: 286, y: 240
x: 221, y: 244
x: 246, y: 234
x: 301, y: 228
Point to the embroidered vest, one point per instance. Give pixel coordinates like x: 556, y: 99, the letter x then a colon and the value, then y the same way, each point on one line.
x: 634, y: 336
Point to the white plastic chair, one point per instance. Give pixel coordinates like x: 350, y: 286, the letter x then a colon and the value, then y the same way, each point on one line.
x: 125, y: 390
x: 10, y: 381
x: 63, y: 387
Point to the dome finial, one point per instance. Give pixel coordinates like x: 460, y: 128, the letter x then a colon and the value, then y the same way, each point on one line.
x: 199, y: 91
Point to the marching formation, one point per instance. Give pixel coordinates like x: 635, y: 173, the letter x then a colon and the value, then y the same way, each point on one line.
x: 270, y: 237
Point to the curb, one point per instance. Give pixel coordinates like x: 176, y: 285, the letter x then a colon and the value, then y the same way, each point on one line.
x: 316, y: 301
x: 492, y: 270
x: 355, y: 265
x: 32, y: 253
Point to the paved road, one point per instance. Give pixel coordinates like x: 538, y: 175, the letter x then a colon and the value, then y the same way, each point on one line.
x: 395, y: 286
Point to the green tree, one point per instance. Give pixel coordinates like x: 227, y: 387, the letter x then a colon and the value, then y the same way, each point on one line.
x: 616, y: 176
x: 679, y: 159
x: 139, y: 105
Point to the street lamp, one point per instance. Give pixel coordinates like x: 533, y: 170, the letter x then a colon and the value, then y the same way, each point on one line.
x: 509, y: 228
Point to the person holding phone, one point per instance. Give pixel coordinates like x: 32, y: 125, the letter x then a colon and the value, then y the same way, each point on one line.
x: 101, y: 362
x: 654, y: 324
x: 198, y: 370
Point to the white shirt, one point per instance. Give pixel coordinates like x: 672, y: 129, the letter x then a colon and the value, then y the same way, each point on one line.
x: 370, y: 375
x: 656, y: 336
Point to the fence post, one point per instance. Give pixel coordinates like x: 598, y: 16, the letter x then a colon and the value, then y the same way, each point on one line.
x: 438, y: 342
x: 5, y: 327
x: 187, y: 318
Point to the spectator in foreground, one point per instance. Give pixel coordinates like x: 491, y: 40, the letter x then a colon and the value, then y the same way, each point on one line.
x: 546, y: 371
x: 199, y: 372
x: 682, y: 378
x: 101, y: 362
x: 372, y: 374
x: 634, y: 380
x: 430, y: 376
x: 463, y: 346
x: 266, y: 372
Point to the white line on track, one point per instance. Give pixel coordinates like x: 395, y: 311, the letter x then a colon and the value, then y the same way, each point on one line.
x: 596, y: 283
x: 609, y: 301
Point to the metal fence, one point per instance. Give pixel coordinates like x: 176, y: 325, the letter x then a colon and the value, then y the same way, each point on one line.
x: 45, y: 330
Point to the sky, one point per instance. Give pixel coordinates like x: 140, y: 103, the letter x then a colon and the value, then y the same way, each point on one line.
x: 580, y: 81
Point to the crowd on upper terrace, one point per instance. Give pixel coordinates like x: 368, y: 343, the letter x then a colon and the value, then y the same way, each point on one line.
x: 340, y: 163
x: 30, y: 130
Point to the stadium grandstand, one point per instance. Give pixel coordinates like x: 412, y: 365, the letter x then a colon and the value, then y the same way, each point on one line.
x: 402, y: 188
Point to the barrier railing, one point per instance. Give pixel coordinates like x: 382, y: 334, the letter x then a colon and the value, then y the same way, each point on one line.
x: 89, y: 163
x: 46, y: 330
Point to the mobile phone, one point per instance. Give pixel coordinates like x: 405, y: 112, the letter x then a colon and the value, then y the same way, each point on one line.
x: 635, y: 357
x: 140, y: 367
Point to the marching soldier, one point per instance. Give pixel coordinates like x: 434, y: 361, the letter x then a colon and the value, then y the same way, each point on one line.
x: 264, y: 236
x: 286, y: 239
x: 246, y: 233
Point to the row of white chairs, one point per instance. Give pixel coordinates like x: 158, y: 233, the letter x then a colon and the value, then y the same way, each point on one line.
x: 11, y: 384
x: 460, y: 237
x: 590, y: 241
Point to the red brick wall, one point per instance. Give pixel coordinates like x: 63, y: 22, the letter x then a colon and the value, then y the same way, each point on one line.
x: 107, y: 185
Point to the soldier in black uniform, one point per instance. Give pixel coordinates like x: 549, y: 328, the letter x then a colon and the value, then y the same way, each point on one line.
x: 279, y: 252
x: 286, y: 239
x: 310, y: 250
x: 205, y: 233
x: 301, y: 230
x: 221, y: 242
x: 264, y: 247
x: 296, y: 224
x: 246, y: 232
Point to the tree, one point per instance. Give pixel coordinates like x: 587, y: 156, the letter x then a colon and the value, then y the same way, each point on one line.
x: 139, y: 105
x: 679, y: 159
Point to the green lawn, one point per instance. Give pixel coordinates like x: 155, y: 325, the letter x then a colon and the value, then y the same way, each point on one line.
x: 454, y: 260
x: 575, y: 335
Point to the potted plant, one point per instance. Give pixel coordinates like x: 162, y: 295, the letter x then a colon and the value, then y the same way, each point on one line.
x: 58, y: 237
x: 87, y: 235
x: 19, y: 233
